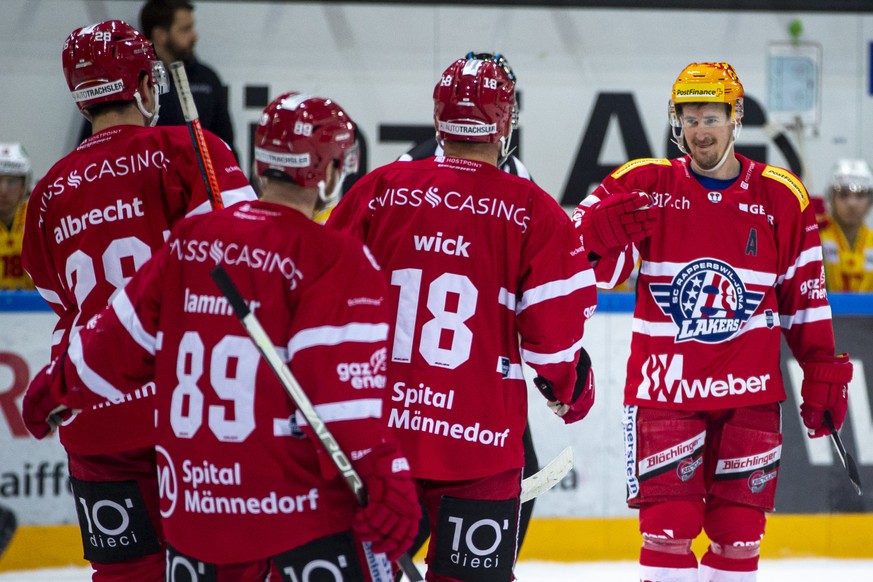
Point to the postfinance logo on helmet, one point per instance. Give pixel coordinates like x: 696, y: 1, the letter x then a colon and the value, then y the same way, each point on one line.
x: 705, y: 83
x: 708, y: 83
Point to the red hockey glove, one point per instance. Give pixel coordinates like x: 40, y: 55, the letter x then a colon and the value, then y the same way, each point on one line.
x: 583, y: 393
x: 390, y: 519
x: 40, y: 410
x: 617, y: 221
x: 825, y: 388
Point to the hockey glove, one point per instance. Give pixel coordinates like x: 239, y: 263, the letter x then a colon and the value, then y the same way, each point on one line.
x: 40, y: 409
x: 825, y: 388
x: 583, y: 393
x: 390, y: 519
x: 617, y: 221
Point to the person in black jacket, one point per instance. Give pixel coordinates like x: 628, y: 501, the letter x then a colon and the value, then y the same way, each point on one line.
x: 169, y: 24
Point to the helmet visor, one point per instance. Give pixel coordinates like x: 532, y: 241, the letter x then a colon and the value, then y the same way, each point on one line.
x: 160, y: 77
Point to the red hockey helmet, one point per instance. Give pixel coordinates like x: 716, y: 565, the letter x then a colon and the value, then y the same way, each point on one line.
x: 474, y: 100
x: 298, y: 136
x: 103, y: 63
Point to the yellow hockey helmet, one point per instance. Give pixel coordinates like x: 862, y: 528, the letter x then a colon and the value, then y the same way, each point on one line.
x: 708, y: 83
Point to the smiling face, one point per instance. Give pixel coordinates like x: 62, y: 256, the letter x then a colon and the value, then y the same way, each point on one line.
x: 708, y: 132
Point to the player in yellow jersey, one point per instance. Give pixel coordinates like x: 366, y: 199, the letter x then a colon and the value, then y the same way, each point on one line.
x: 14, y: 182
x: 847, y: 242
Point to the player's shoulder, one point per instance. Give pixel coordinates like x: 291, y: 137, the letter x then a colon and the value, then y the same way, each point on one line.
x: 781, y: 182
x: 641, y: 165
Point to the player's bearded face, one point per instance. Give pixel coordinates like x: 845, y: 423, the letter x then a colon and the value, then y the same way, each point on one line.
x: 708, y: 132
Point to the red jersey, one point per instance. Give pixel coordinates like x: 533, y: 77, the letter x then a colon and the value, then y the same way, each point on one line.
x: 726, y: 272
x: 230, y: 441
x: 93, y: 220
x: 478, y: 261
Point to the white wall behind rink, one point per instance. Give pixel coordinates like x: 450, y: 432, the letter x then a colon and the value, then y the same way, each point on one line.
x: 380, y: 62
x: 29, y: 468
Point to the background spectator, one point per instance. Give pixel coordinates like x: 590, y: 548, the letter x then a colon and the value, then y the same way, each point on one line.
x: 847, y: 242
x: 14, y: 183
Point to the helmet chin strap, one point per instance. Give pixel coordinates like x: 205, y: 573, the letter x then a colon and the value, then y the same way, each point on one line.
x: 151, y: 116
x: 331, y: 197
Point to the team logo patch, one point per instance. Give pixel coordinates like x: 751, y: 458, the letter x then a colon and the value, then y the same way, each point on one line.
x: 707, y: 300
x: 687, y: 467
x: 759, y: 479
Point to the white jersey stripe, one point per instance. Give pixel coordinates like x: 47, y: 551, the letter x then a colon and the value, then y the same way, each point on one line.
x: 506, y: 298
x: 92, y: 380
x: 619, y: 267
x: 554, y: 289
x: 806, y: 316
x: 360, y: 409
x: 808, y: 256
x: 566, y: 355
x: 228, y: 197
x: 130, y: 321
x: 49, y: 296
x: 669, y: 329
x: 330, y: 335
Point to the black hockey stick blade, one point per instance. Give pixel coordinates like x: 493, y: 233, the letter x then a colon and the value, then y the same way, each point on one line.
x: 847, y: 459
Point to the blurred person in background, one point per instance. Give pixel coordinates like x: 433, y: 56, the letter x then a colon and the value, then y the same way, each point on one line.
x: 15, y: 170
x: 170, y: 25
x: 847, y: 242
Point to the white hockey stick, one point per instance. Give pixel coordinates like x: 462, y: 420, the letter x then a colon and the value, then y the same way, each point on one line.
x: 262, y: 341
x: 548, y: 476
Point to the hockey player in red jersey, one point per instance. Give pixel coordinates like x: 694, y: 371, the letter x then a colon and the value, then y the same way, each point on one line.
x: 485, y: 273
x: 244, y: 480
x: 733, y: 263
x: 93, y: 220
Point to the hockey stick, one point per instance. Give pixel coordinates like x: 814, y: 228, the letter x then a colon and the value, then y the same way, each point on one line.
x: 847, y: 459
x: 289, y: 382
x: 548, y: 476
x: 189, y: 112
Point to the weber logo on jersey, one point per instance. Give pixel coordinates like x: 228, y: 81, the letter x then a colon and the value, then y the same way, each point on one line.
x: 663, y: 380
x: 707, y: 301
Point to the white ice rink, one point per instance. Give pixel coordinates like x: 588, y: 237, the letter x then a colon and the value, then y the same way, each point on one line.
x: 530, y: 571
